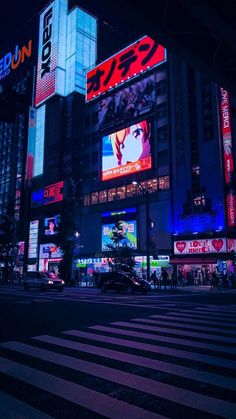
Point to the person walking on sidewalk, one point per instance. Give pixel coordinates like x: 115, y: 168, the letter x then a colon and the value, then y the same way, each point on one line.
x: 154, y: 279
x: 214, y: 281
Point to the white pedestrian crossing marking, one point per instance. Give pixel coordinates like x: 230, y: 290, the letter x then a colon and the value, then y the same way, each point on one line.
x: 186, y: 364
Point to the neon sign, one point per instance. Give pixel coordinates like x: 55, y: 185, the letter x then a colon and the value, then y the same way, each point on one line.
x: 48, y: 195
x: 128, y: 63
x: 201, y: 246
x: 11, y: 61
x: 228, y: 156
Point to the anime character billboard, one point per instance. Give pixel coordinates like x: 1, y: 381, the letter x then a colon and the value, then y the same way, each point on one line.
x: 127, y: 151
x: 122, y: 225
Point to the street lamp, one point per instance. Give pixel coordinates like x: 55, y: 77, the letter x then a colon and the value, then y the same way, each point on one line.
x: 145, y: 192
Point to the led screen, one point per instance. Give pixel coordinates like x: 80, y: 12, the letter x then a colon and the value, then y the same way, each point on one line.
x: 125, y: 222
x: 129, y: 103
x: 127, y: 151
x: 52, y: 225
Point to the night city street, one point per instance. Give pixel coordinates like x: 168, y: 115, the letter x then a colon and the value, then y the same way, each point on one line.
x: 118, y: 209
x: 85, y: 354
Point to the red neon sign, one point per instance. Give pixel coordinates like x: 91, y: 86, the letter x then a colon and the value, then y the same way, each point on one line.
x: 226, y: 134
x: 228, y: 155
x: 128, y: 63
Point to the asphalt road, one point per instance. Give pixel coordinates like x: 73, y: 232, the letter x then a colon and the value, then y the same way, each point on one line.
x: 84, y: 354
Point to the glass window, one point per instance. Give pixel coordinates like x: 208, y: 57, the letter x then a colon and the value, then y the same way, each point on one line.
x: 164, y: 182
x: 111, y: 194
x: 102, y: 196
x: 120, y: 193
x: 152, y: 185
x: 131, y: 190
x: 86, y: 200
x: 94, y: 198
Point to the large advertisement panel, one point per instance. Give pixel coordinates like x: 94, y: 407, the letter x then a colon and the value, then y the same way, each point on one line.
x: 228, y: 156
x: 51, y: 51
x: 128, y: 104
x: 200, y: 246
x: 47, y: 56
x: 124, y: 221
x: 126, y: 64
x: 49, y: 251
x: 14, y: 58
x: 52, y: 225
x: 33, y: 239
x: 48, y: 195
x: 127, y: 151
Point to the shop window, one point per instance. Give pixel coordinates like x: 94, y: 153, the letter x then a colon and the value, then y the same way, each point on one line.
x: 120, y: 193
x: 111, y: 194
x: 102, y: 196
x: 164, y: 182
x: 94, y: 198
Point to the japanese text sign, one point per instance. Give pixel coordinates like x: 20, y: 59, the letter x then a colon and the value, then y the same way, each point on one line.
x: 128, y: 63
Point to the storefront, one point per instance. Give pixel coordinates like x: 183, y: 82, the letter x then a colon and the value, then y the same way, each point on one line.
x: 196, y: 260
x: 84, y: 268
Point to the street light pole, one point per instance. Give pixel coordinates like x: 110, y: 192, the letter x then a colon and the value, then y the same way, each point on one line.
x: 147, y: 208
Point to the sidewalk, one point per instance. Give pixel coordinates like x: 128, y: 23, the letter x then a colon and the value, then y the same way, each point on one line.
x: 194, y: 289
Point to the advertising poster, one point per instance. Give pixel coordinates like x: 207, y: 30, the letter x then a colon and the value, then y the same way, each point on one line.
x: 123, y: 221
x: 52, y: 225
x: 127, y: 151
x: 127, y: 104
x: 201, y: 246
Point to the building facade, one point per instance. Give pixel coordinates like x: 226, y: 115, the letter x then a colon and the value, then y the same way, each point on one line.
x: 141, y: 140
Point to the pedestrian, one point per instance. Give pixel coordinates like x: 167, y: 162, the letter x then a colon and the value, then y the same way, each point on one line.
x: 214, y: 281
x: 164, y: 277
x: 154, y: 279
x: 174, y: 281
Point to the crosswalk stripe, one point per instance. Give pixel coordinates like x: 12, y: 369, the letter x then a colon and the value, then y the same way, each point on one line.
x: 159, y: 337
x: 76, y: 393
x: 211, y: 310
x: 179, y: 332
x: 191, y: 327
x: 201, y: 317
x: 176, y: 318
x: 185, y: 397
x: 167, y: 367
x: 212, y: 360
x: 210, y: 316
x: 12, y: 408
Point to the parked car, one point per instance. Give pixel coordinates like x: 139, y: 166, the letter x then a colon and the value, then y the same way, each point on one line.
x: 43, y: 281
x: 118, y: 282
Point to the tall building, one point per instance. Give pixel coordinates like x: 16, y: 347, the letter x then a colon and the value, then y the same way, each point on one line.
x: 141, y: 140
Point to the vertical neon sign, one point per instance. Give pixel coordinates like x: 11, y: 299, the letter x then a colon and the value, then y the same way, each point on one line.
x: 228, y: 156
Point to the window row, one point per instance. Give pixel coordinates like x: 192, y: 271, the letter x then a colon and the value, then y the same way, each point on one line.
x: 126, y: 191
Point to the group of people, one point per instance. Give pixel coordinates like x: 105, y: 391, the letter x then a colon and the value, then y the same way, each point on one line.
x: 164, y: 280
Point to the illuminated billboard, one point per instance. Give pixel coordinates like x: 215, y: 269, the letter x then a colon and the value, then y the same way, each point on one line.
x: 127, y: 151
x: 129, y: 103
x: 50, y: 251
x: 126, y: 64
x: 12, y: 60
x: 199, y: 247
x: 123, y: 221
x: 33, y: 239
x: 51, y: 51
x: 47, y: 195
x: 52, y: 225
x: 228, y: 156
